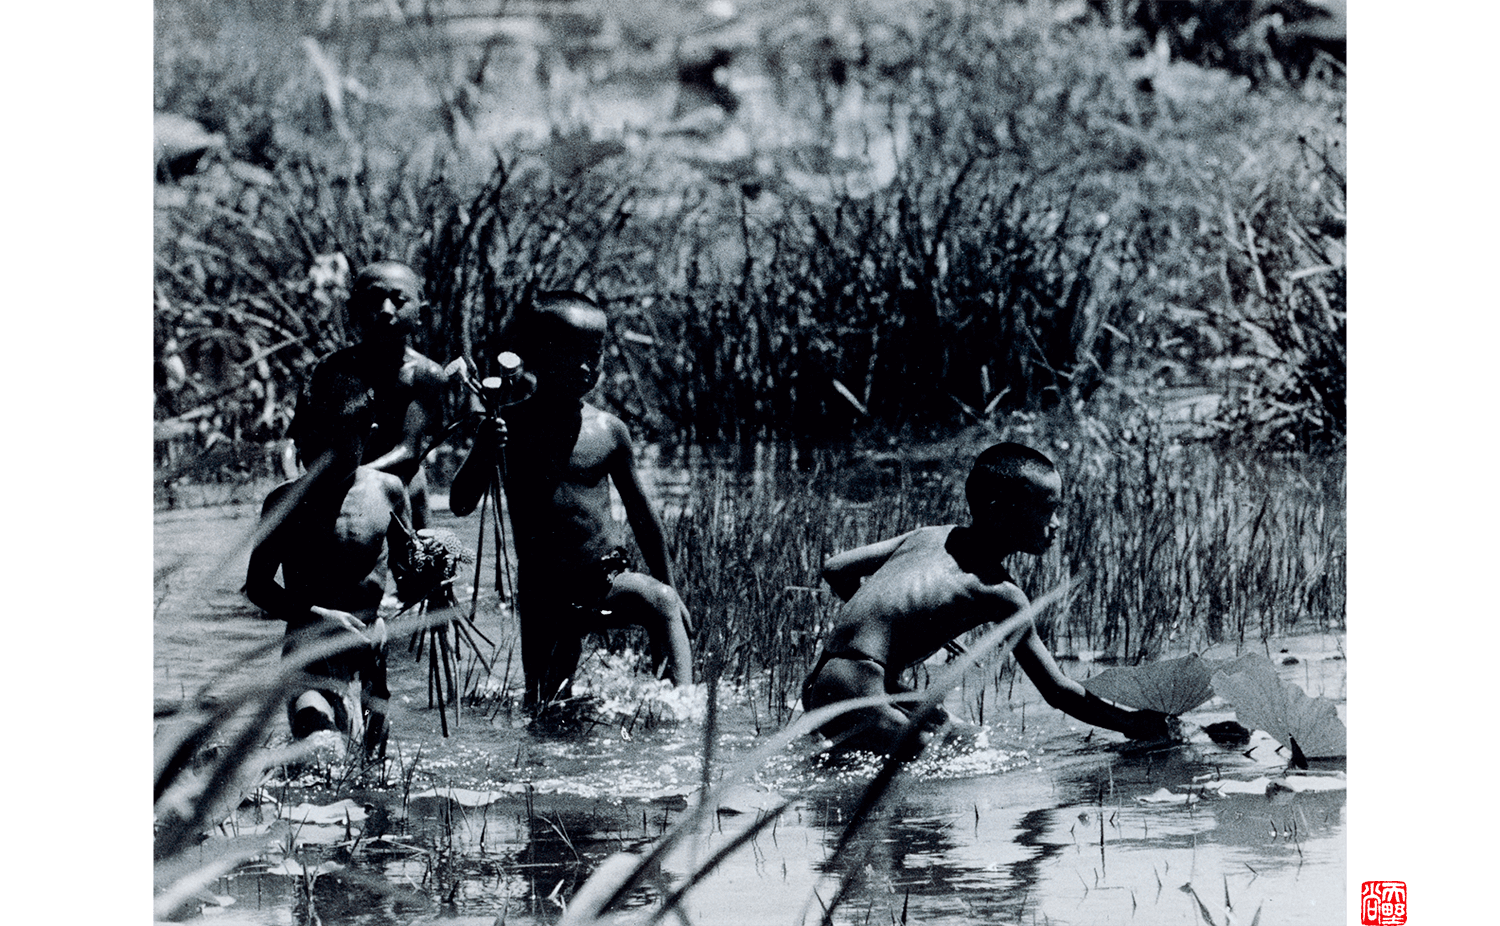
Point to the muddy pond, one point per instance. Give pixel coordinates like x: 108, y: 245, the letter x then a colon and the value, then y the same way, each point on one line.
x: 1026, y: 816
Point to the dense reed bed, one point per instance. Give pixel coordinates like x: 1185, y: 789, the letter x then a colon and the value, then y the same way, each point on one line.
x: 1064, y: 215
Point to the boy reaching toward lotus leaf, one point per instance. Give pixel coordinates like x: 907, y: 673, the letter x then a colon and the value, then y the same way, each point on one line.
x: 908, y: 596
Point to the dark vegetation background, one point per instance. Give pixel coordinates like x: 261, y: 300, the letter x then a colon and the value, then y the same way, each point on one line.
x: 1111, y: 211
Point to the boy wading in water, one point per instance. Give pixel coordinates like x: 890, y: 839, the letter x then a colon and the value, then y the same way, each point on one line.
x: 384, y: 308
x: 907, y: 596
x: 335, y: 525
x: 560, y: 456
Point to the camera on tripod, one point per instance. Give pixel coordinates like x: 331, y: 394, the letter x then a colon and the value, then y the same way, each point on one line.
x: 512, y: 385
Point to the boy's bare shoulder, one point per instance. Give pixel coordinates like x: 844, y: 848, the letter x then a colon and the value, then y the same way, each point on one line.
x: 1002, y: 590
x: 608, y: 421
x: 424, y: 369
x: 422, y: 374
x: 274, y: 497
x: 377, y: 480
x: 926, y: 541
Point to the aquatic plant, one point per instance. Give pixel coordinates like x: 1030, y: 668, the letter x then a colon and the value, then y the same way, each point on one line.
x: 1307, y: 727
x: 1133, y: 224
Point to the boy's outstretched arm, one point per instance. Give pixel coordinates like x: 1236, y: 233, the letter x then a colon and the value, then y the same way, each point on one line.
x: 1070, y: 697
x: 843, y: 571
x: 478, y: 469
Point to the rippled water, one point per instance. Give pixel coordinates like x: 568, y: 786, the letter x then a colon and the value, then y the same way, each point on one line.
x: 1029, y: 817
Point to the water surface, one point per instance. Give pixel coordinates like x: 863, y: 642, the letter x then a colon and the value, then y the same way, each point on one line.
x: 1028, y: 817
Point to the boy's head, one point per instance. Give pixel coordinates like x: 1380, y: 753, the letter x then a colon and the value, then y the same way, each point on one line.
x: 337, y: 421
x: 1014, y: 493
x: 561, y: 339
x: 385, y: 301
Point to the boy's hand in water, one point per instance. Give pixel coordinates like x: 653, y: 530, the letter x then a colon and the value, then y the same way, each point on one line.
x: 1150, y: 725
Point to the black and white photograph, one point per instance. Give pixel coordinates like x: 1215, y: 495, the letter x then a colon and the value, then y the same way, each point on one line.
x: 760, y: 462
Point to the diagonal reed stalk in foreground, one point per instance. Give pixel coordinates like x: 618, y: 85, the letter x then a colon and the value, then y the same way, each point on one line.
x: 623, y: 873
x: 245, y: 715
x: 183, y: 811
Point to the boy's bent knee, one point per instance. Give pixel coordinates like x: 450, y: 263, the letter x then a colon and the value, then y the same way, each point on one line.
x: 314, y: 711
x: 840, y: 678
x: 642, y: 598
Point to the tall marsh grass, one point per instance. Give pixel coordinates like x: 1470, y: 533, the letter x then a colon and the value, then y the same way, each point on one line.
x: 1071, y: 215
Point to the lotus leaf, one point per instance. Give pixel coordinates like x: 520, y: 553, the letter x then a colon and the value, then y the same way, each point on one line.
x: 1172, y: 686
x: 463, y: 797
x: 1263, y: 701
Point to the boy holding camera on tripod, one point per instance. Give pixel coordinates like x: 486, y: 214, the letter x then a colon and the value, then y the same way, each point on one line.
x: 557, y: 456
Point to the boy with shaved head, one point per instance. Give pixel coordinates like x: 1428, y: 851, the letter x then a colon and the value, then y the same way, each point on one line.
x: 384, y: 309
x: 908, y: 596
x: 561, y: 454
x: 332, y: 533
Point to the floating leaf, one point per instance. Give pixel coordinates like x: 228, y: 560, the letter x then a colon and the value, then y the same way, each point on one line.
x: 463, y: 797
x: 1265, y: 786
x: 739, y: 798
x: 291, y: 868
x: 1163, y: 796
x: 1263, y: 701
x: 1172, y: 686
x: 339, y: 812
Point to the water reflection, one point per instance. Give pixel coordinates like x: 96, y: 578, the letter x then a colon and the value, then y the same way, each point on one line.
x: 1024, y: 818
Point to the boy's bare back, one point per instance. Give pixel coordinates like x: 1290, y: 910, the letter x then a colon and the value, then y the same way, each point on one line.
x: 915, y: 597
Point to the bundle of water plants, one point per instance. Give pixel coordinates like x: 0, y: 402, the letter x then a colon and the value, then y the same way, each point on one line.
x: 429, y: 566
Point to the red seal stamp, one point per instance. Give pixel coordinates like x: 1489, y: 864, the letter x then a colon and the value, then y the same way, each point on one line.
x: 1382, y: 903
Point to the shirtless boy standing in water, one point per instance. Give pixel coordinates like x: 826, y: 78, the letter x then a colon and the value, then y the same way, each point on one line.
x: 909, y: 595
x: 560, y: 456
x: 328, y: 532
x: 385, y: 306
